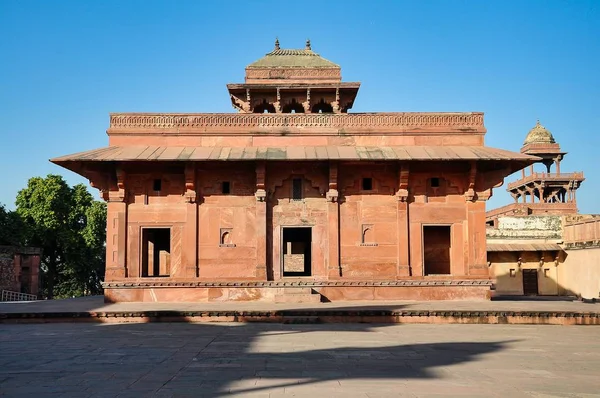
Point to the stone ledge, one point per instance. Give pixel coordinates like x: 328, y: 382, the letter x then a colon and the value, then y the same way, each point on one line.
x: 581, y: 245
x: 315, y: 316
x: 299, y: 284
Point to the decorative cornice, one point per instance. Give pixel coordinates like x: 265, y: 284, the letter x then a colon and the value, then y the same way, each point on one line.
x: 399, y: 121
x: 301, y: 284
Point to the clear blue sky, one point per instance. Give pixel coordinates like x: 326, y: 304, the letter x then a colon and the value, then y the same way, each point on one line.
x: 64, y: 65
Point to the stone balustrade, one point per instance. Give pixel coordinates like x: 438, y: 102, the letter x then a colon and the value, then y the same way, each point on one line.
x: 546, y: 177
x: 468, y: 120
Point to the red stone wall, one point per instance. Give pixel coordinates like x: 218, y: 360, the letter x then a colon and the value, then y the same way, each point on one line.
x: 392, y: 247
x: 150, y: 209
x: 375, y: 211
x: 310, y: 211
x: 234, y: 214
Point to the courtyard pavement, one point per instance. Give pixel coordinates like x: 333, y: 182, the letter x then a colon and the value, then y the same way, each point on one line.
x: 283, y: 360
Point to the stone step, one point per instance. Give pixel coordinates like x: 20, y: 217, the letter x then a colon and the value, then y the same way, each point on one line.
x: 298, y: 298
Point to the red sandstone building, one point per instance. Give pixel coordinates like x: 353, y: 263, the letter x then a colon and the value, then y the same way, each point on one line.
x: 293, y: 198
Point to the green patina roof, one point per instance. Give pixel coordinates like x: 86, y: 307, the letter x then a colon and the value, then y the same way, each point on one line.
x: 539, y: 134
x: 281, y: 58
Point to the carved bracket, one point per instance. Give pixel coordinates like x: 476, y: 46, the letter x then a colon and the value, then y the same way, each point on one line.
x: 118, y: 195
x: 403, y: 175
x: 261, y: 193
x: 332, y: 192
x: 100, y: 181
x: 470, y: 192
x: 190, y: 183
x: 240, y: 105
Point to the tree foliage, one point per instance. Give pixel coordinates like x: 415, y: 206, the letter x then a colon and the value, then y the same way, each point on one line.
x: 70, y: 227
x: 11, y: 228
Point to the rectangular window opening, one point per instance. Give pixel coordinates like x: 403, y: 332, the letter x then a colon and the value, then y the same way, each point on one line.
x: 367, y: 184
x: 156, y: 252
x: 157, y: 185
x: 297, y: 189
x: 435, y: 182
x: 225, y: 188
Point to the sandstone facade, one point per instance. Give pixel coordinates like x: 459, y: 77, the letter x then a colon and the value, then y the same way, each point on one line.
x: 294, y: 196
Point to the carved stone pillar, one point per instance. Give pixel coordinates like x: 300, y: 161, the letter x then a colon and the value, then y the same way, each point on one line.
x: 403, y: 223
x: 116, y: 230
x: 333, y: 226
x: 261, y: 222
x: 277, y: 103
x: 306, y: 104
x: 190, y: 242
x: 336, y: 104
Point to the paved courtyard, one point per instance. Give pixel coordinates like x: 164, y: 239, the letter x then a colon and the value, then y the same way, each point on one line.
x: 314, y: 360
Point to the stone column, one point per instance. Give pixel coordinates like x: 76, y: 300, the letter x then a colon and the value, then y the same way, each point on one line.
x: 403, y: 264
x: 190, y: 231
x: 116, y: 238
x: 476, y: 238
x: 116, y: 230
x: 334, y: 270
x: 261, y: 222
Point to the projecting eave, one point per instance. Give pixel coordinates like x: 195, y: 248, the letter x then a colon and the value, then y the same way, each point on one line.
x: 523, y: 247
x: 489, y: 159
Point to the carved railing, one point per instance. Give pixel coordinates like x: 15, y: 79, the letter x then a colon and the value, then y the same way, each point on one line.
x: 354, y: 120
x: 546, y: 177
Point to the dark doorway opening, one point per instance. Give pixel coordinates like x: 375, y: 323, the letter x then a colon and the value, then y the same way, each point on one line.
x: 296, y: 251
x: 156, y: 252
x: 530, y: 282
x: 436, y: 249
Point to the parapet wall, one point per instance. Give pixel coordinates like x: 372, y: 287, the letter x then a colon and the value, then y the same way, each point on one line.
x: 582, y: 231
x: 529, y: 228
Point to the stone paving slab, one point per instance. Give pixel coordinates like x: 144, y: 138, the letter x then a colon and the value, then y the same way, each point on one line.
x: 283, y: 360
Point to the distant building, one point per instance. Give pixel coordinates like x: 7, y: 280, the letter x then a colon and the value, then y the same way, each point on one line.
x: 20, y: 269
x: 540, y: 245
x: 293, y: 198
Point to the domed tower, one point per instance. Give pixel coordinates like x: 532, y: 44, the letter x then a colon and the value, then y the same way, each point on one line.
x: 293, y: 81
x: 550, y: 192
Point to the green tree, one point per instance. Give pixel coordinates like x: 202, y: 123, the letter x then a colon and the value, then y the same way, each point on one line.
x: 70, y: 227
x: 11, y: 228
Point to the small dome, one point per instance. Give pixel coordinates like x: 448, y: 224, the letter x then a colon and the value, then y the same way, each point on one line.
x: 539, y: 134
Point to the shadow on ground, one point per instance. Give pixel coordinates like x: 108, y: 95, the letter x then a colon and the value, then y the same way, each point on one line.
x: 184, y: 359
